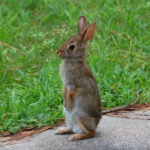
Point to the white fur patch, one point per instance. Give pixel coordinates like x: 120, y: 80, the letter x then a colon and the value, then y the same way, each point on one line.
x: 71, y: 122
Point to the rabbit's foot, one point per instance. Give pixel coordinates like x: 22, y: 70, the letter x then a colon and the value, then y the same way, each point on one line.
x: 81, y: 136
x: 63, y: 130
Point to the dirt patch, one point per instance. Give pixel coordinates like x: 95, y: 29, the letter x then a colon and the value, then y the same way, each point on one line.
x: 140, y: 111
x: 25, y: 132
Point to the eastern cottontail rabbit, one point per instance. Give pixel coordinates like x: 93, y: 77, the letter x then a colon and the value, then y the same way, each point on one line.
x: 81, y: 99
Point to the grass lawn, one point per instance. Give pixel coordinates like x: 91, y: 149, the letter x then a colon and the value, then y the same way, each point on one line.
x: 30, y: 33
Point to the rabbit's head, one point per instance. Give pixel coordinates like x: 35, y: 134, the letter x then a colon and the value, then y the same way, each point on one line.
x: 74, y: 49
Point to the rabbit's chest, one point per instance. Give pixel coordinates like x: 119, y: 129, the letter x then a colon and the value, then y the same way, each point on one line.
x: 64, y: 79
x: 66, y: 76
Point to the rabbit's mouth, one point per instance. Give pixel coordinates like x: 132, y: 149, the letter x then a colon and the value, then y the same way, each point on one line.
x: 61, y: 54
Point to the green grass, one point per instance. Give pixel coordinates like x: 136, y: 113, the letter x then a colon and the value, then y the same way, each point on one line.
x: 30, y: 85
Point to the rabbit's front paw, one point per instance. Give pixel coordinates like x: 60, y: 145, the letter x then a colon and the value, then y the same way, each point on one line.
x: 69, y: 101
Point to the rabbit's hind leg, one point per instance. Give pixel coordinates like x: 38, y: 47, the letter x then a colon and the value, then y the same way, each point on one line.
x: 63, y: 130
x: 86, y: 133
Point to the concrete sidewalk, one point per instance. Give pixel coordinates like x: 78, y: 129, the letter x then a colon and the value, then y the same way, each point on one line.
x: 113, y: 133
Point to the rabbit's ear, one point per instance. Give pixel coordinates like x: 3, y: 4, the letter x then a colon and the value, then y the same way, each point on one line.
x: 81, y: 24
x: 88, y: 33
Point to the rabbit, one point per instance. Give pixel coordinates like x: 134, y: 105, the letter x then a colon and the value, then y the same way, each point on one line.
x: 81, y: 98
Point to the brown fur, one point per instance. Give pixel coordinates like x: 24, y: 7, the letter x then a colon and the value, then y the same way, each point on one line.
x: 64, y: 91
x: 81, y: 136
x: 68, y: 98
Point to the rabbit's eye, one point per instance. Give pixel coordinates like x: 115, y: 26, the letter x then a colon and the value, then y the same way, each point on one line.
x: 71, y: 47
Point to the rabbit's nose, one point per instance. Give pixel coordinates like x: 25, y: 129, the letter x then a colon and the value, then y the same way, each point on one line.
x: 59, y: 51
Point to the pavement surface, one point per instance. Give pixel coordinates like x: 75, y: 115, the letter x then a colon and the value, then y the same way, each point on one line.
x: 113, y: 133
